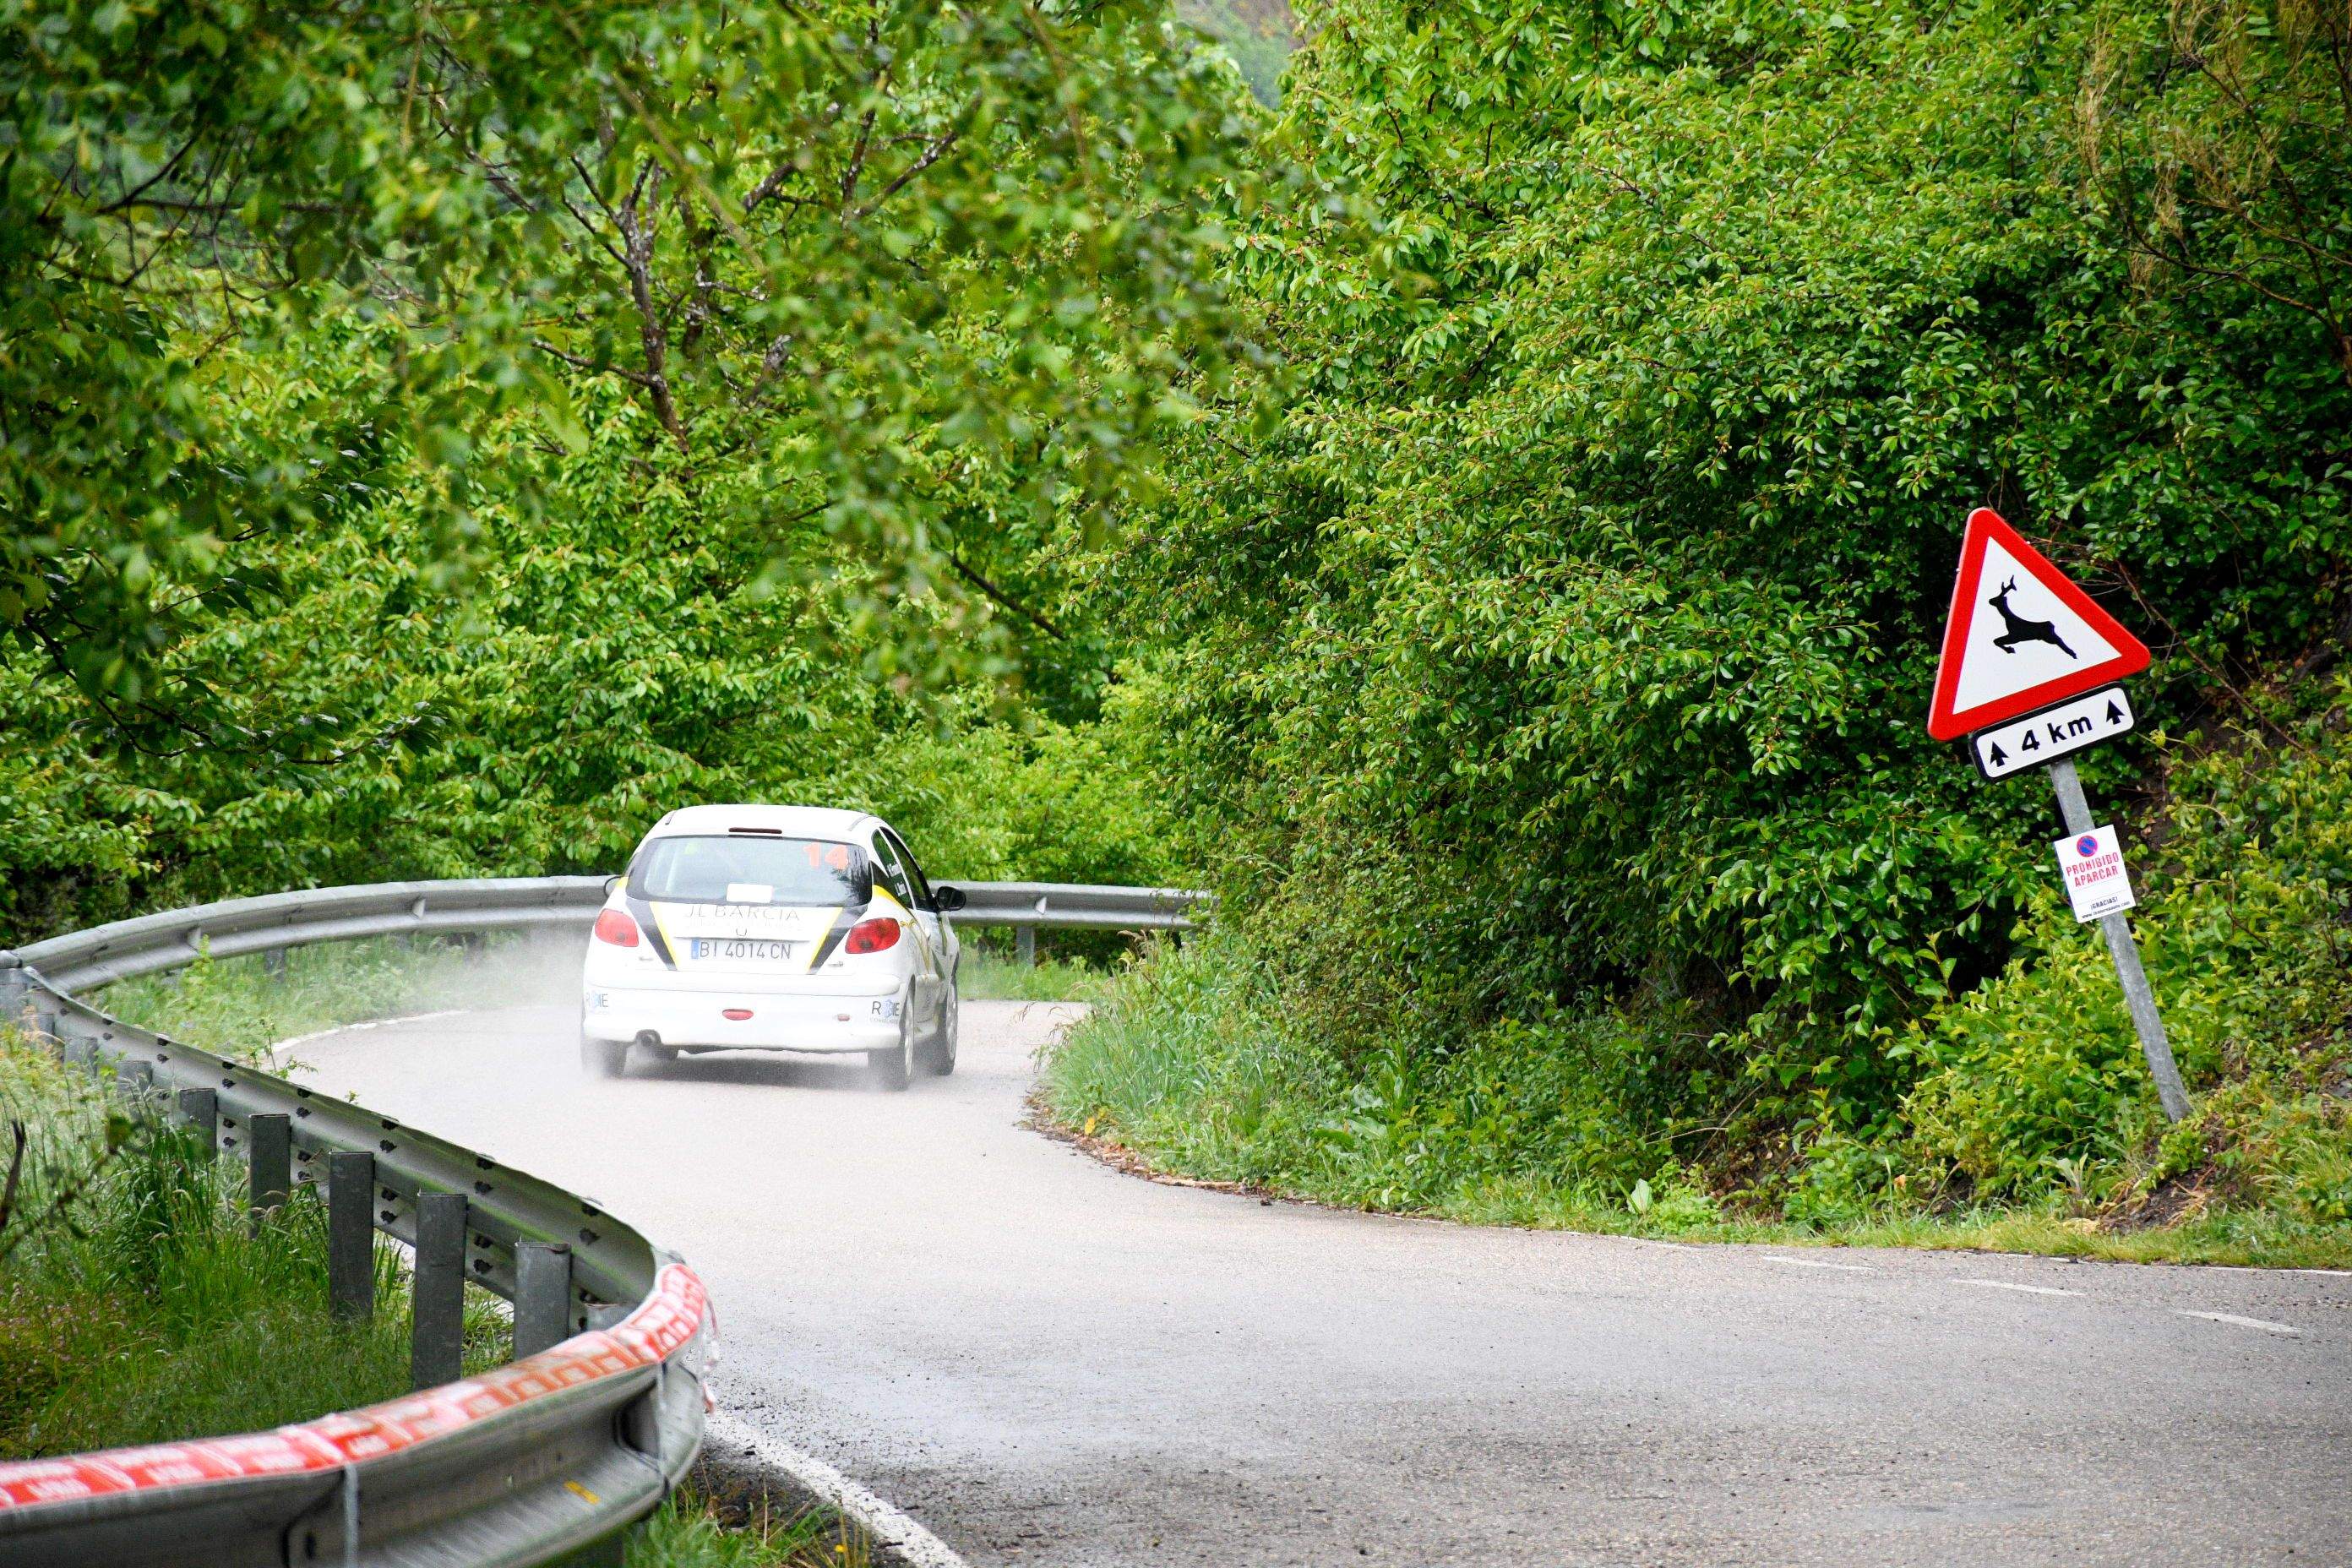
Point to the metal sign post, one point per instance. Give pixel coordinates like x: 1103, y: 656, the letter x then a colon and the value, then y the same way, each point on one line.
x: 2030, y: 684
x: 2147, y: 1022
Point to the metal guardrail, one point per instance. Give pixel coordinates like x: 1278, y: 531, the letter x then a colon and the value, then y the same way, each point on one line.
x: 1078, y: 904
x: 546, y: 1460
x: 549, y: 1456
x: 277, y: 920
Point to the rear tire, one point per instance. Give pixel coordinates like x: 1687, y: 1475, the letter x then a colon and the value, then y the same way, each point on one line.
x: 937, y: 1055
x: 889, y: 1069
x: 605, y: 1058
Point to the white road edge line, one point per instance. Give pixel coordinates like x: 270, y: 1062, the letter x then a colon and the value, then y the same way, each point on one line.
x: 2263, y: 1323
x: 1818, y: 1263
x: 885, y: 1524
x: 2012, y: 1284
x: 2256, y: 1269
x: 283, y: 1048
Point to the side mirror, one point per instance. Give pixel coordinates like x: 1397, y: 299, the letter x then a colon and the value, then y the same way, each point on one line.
x: 948, y: 898
x: 612, y: 885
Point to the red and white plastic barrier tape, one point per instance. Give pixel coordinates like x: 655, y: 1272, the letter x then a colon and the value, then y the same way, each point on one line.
x: 663, y: 1321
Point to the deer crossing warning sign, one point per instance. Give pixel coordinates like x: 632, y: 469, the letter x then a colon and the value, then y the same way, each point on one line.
x: 2023, y: 635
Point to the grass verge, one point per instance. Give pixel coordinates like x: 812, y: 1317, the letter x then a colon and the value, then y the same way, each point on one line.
x: 726, y: 1528
x: 241, y: 1006
x: 988, y: 974
x: 1189, y: 1069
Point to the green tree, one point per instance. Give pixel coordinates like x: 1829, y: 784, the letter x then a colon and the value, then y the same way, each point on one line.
x: 931, y: 271
x: 1569, y: 637
x: 627, y: 646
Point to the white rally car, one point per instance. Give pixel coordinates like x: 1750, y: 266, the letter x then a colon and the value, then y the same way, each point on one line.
x: 773, y: 927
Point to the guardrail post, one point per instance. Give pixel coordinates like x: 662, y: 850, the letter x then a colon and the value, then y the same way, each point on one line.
x: 436, y: 1344
x: 202, y: 1109
x: 14, y: 990
x: 269, y: 1165
x: 1025, y: 945
x: 609, y: 1552
x: 351, y: 1234
x: 273, y: 963
x: 542, y: 1302
x: 135, y: 1082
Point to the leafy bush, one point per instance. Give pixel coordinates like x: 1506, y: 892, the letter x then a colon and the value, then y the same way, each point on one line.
x: 2031, y: 1088
x: 1564, y: 643
x: 2034, y: 1082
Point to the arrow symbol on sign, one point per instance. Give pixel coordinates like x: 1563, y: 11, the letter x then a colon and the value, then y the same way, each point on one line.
x: 1999, y: 756
x: 2114, y: 714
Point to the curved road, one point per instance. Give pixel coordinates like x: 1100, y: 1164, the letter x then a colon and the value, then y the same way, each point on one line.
x: 1048, y: 1362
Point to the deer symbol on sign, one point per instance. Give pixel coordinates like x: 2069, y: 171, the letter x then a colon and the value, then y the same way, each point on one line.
x: 2018, y: 629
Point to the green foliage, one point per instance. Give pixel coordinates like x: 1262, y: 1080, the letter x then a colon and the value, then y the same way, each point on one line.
x: 1568, y: 635
x: 2034, y: 1082
x: 924, y: 277
x: 612, y: 656
x: 2031, y: 1093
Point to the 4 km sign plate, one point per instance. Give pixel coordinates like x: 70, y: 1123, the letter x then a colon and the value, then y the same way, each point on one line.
x: 2051, y: 733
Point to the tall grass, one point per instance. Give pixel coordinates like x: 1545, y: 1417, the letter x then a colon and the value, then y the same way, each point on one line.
x: 236, y: 1006
x: 134, y: 1307
x: 989, y: 971
x: 1193, y: 1063
x: 703, y: 1530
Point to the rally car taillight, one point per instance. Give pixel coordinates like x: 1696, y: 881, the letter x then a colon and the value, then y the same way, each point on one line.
x: 871, y: 936
x: 616, y: 928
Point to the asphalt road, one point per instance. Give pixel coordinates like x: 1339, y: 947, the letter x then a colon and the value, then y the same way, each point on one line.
x: 1049, y: 1362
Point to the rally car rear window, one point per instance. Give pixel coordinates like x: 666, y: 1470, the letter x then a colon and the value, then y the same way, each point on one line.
x: 723, y: 869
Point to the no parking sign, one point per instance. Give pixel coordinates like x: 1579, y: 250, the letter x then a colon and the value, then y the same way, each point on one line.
x: 2093, y: 864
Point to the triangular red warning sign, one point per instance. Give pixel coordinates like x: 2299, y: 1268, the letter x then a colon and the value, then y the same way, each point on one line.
x: 2021, y: 635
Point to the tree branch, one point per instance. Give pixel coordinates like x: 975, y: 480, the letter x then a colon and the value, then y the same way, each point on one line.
x: 997, y: 594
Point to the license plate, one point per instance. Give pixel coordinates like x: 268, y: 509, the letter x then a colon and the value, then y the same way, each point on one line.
x: 739, y: 948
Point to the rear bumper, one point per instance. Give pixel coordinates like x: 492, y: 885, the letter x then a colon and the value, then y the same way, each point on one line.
x: 778, y: 1022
